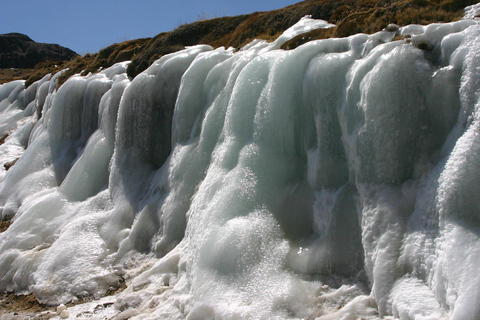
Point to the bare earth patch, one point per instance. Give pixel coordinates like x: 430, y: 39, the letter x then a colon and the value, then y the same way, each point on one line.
x: 4, y: 224
x: 27, y: 307
x: 23, y: 307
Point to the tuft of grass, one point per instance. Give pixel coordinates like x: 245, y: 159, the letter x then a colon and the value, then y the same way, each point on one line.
x: 44, y: 68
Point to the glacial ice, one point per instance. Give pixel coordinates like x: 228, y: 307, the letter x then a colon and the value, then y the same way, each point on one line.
x: 338, y: 180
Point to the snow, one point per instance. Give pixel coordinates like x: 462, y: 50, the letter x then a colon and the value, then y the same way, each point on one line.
x: 338, y: 180
x: 472, y: 12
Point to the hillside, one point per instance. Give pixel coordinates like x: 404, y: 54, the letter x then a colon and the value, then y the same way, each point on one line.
x: 350, y: 16
x: 19, y: 51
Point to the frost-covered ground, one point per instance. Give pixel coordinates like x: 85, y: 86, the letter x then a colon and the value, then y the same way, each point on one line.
x: 338, y: 180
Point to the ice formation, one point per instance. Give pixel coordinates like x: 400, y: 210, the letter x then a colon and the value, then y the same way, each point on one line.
x: 339, y: 180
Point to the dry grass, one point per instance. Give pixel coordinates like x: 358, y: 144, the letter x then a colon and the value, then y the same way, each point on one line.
x: 350, y: 16
x: 10, y: 74
x: 90, y: 62
x: 44, y: 68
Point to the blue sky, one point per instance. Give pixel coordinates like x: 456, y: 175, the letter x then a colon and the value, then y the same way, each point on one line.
x: 87, y: 26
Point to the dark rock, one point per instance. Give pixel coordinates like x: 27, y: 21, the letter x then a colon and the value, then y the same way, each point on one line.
x: 19, y: 51
x: 10, y: 164
x: 2, y: 140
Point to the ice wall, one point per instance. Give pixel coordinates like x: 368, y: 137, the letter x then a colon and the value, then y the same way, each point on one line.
x: 339, y: 180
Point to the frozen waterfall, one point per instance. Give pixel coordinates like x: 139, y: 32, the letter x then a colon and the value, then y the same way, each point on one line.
x: 338, y: 180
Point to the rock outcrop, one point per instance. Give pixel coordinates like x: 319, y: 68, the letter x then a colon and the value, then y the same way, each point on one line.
x: 19, y: 51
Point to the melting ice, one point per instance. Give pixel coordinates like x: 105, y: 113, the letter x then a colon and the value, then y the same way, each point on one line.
x: 339, y: 180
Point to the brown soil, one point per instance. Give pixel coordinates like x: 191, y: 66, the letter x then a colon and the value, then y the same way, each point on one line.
x: 24, y: 307
x: 4, y: 224
x: 15, y: 307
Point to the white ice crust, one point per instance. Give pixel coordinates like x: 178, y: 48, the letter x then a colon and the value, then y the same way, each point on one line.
x: 338, y: 180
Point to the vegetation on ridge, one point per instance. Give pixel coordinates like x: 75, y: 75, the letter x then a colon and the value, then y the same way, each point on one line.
x: 350, y: 17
